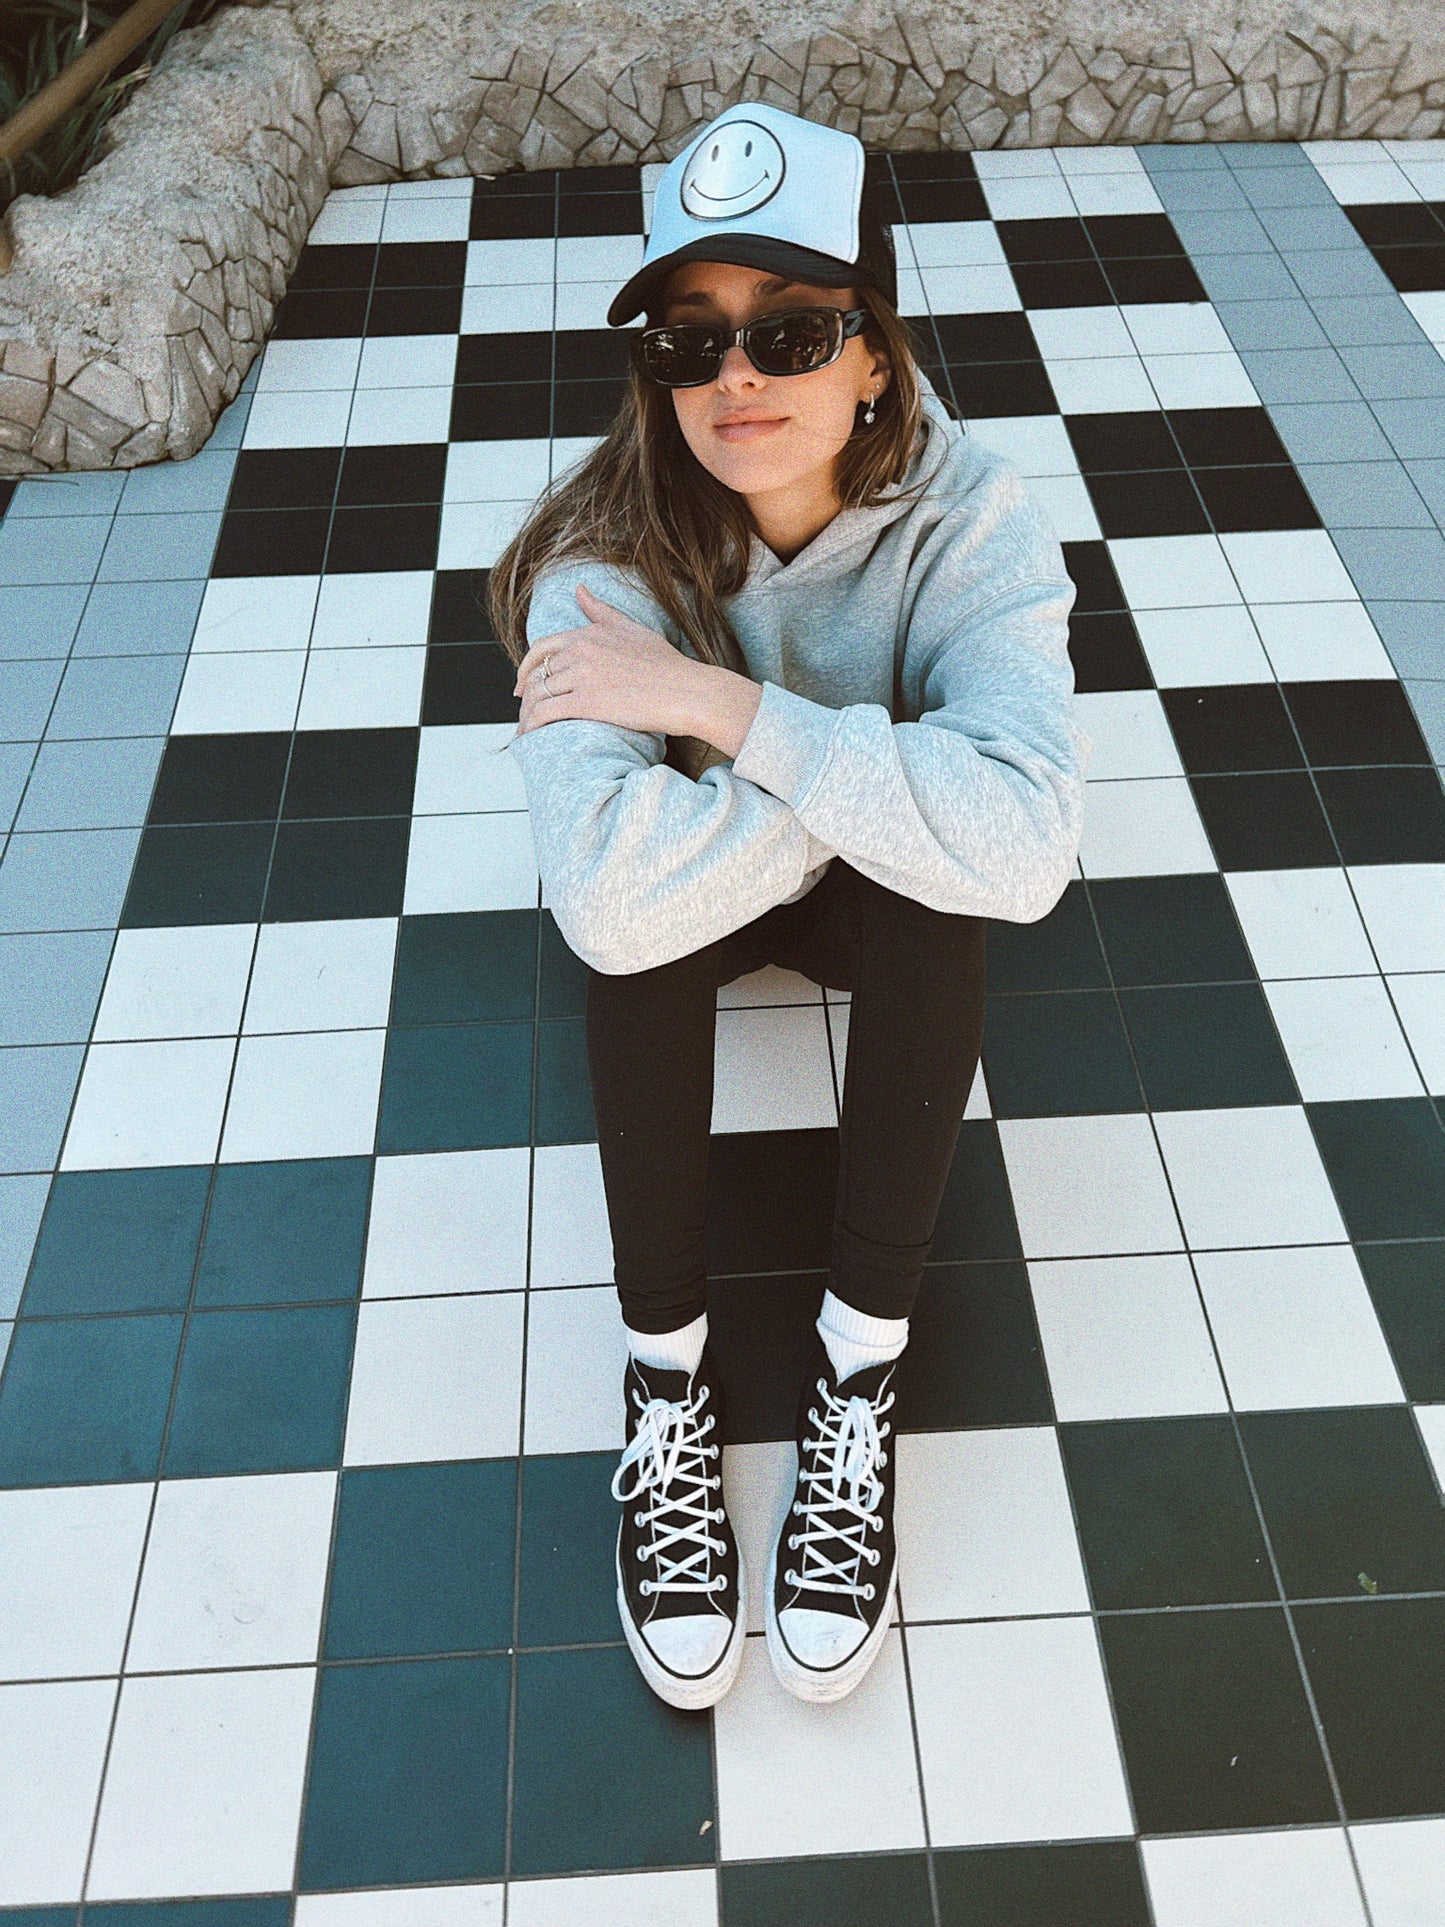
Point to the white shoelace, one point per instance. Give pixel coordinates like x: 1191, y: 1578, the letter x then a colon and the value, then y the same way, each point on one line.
x: 843, y: 1478
x: 672, y: 1463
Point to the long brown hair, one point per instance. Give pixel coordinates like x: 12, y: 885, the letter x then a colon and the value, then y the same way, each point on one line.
x: 643, y: 501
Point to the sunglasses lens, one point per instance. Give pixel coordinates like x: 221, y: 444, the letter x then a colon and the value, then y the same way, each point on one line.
x: 691, y: 353
x: 683, y: 356
x: 794, y: 344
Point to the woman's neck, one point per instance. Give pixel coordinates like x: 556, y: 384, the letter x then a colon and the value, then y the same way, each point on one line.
x: 788, y: 519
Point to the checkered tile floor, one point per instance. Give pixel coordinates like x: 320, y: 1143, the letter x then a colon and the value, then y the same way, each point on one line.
x: 312, y: 1392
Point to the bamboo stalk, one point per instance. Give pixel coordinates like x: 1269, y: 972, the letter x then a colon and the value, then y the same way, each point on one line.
x: 68, y: 89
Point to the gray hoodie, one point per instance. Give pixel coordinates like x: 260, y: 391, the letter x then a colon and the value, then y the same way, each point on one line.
x: 916, y: 719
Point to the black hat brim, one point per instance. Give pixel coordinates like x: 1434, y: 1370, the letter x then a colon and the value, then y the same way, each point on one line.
x: 739, y: 250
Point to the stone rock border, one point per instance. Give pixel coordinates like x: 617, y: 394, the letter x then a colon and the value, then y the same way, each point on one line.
x: 140, y: 297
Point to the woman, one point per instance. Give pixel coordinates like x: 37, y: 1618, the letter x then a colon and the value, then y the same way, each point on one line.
x: 795, y: 688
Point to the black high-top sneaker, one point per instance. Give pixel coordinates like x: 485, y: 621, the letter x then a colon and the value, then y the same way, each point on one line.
x: 835, y: 1565
x: 679, y: 1576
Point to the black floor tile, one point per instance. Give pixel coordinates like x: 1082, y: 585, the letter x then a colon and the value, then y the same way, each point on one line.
x: 286, y: 1231
x: 402, y: 472
x: 512, y: 217
x: 1352, y: 722
x: 587, y: 407
x: 976, y: 1215
x: 591, y: 354
x: 468, y: 682
x: 495, y: 359
x: 501, y: 411
x: 1407, y: 1284
x: 272, y: 542
x: 261, y: 1390
x: 342, y: 264
x: 1057, y: 238
x: 1215, y: 1726
x: 1268, y: 822
x: 83, y: 1401
x: 1058, y: 952
x: 605, y: 1774
x: 1255, y: 498
x: 1157, y: 279
x: 1094, y: 575
x: 1378, y: 1672
x: 351, y: 772
x: 1171, y: 930
x: 113, y: 1241
x: 1386, y: 1161
x: 1119, y: 237
x: 423, y: 1560
x: 420, y: 264
x: 1087, y: 1883
x: 618, y: 212
x: 1105, y: 651
x: 1394, y: 223
x: 1164, y: 1513
x: 460, y: 611
x: 284, y: 478
x: 985, y: 389
x: 320, y: 314
x: 403, y: 537
x: 202, y: 873
x: 562, y: 975
x: 761, y: 1331
x: 408, y: 1774
x: 568, y: 1579
x: 1061, y: 284
x: 973, y: 1356
x: 1153, y: 502
x: 415, y: 311
x: 1349, y: 1500
x: 943, y: 201
x: 1385, y: 815
x: 1227, y: 728
x: 1059, y: 1054
x: 770, y: 1197
x: 220, y: 777
x: 1414, y: 270
x: 866, y: 1890
x: 456, y: 1087
x: 1006, y: 336
x: 1227, y: 437
x: 1207, y: 1047
x: 564, y: 1113
x: 352, y: 867
x: 1125, y: 440
x: 465, y: 966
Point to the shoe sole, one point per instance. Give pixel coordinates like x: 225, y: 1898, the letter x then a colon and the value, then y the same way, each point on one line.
x: 803, y: 1681
x: 689, y: 1695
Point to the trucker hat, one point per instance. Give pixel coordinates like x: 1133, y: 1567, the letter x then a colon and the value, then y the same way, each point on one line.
x: 763, y: 188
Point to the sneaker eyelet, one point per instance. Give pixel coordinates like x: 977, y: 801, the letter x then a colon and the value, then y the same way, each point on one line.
x: 790, y: 1578
x: 872, y: 1554
x: 869, y: 1590
x: 642, y: 1551
x: 792, y: 1542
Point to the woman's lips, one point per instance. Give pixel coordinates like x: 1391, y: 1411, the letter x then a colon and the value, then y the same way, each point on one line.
x: 747, y: 431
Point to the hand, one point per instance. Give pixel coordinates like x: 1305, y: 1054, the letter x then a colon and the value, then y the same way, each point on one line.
x: 615, y: 670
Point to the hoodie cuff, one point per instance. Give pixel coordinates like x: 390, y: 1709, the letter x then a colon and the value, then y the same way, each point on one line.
x: 787, y: 744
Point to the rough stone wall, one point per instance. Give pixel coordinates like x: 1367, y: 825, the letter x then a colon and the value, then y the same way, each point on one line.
x: 139, y: 298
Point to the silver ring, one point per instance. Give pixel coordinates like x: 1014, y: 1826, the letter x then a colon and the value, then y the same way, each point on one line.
x: 543, y: 672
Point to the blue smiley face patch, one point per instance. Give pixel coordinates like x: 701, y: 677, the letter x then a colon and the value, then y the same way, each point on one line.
x: 736, y: 169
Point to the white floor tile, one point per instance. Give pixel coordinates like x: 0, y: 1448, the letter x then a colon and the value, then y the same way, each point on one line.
x: 1116, y: 1199
x: 956, y: 244
x: 1125, y: 1338
x: 1342, y: 1038
x: 1066, y: 501
x: 1114, y: 194
x: 1431, y: 1420
x: 976, y: 290
x: 772, y: 1071
x: 497, y: 471
x: 1072, y: 334
x: 516, y: 308
x: 149, y: 1103
x: 1295, y: 1326
x: 484, y: 861
x: 52, y: 1749
x: 1101, y: 384
x: 685, y: 1898
x: 571, y: 1234
x: 235, y: 1572
x: 409, y: 218
x: 1016, y: 1733
x: 985, y: 1527
x: 1131, y: 734
x: 1143, y: 827
x: 576, y: 1356
x: 1428, y: 309
x: 287, y: 366
x: 1402, y: 1869
x: 1370, y: 183
x: 435, y: 1378
x: 758, y: 1484
x: 1403, y: 905
x: 1314, y: 641
x: 306, y: 1094
x: 383, y: 416
x: 1420, y: 1001
x: 1195, y: 648
x: 448, y: 1221
x: 362, y: 689
x: 1035, y: 444
x: 349, y: 215
x: 69, y: 1556
x: 493, y: 263
x: 1201, y: 381
x: 1300, y: 1878
x: 598, y: 257
x: 1015, y: 163
x: 1174, y: 571
x: 407, y: 361
x: 256, y: 612
x: 331, y: 974
x: 771, y: 985
x: 463, y: 767
x: 1175, y: 328
x: 1300, y: 923
x: 405, y: 1907
x: 473, y: 534
x: 584, y: 304
x: 1042, y: 197
x: 1077, y: 163
x: 239, y: 690
x: 373, y: 609
x: 1288, y: 565
x: 1248, y: 1177
x: 311, y: 419
x: 203, y: 1788
x: 183, y: 982
x: 788, y: 1776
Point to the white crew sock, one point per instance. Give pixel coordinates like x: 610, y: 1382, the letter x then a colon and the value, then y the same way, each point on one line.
x: 854, y: 1340
x: 679, y: 1351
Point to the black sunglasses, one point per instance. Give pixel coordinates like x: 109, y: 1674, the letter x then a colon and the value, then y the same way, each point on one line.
x: 793, y: 342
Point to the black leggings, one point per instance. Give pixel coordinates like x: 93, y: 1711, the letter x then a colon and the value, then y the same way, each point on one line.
x: 914, y: 1035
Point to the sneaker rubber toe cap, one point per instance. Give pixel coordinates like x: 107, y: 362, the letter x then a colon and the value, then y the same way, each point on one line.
x: 818, y: 1639
x: 689, y: 1645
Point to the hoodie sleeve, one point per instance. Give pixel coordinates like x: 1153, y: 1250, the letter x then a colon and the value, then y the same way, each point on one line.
x: 639, y: 863
x: 977, y: 807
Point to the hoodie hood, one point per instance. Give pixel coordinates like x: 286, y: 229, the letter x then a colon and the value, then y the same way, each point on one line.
x: 942, y: 459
